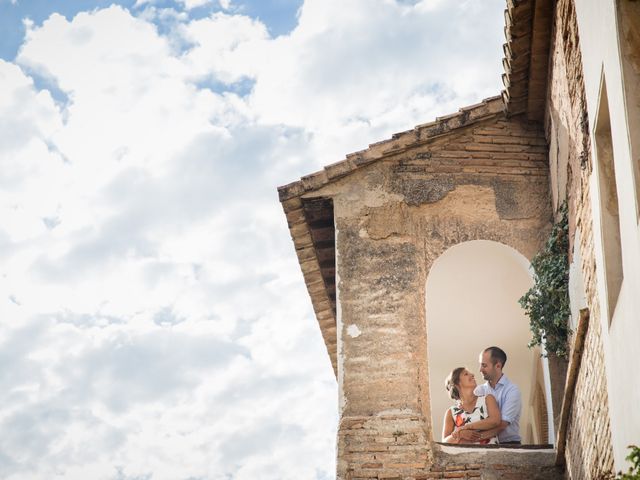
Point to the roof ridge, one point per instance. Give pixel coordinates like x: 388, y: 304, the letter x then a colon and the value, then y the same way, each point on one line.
x: 398, y: 142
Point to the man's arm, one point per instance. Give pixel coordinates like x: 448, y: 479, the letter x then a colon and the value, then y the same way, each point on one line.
x: 511, y: 406
x: 469, y: 436
x: 494, y: 431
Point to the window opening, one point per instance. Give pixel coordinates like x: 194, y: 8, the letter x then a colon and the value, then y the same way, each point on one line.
x: 610, y: 216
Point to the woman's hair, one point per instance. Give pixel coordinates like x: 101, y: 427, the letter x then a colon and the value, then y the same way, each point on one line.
x: 452, y: 381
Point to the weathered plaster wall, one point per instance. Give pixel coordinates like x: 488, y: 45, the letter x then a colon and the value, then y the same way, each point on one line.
x: 393, y: 219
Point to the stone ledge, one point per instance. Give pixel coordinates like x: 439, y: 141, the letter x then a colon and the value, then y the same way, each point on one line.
x: 531, y: 462
x: 467, y: 446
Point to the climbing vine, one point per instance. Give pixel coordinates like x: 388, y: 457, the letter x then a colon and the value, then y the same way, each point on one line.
x: 634, y: 471
x: 547, y: 302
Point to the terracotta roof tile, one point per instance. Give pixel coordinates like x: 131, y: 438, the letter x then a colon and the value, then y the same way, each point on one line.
x: 398, y: 142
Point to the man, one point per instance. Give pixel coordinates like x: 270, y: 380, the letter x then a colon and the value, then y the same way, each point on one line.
x: 506, y: 393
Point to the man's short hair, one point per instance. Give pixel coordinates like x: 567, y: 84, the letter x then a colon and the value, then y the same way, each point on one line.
x: 497, y: 355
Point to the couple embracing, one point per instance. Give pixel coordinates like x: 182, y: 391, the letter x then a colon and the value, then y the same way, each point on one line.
x: 487, y: 413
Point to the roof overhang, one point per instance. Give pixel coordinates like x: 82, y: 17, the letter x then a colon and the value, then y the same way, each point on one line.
x: 527, y: 30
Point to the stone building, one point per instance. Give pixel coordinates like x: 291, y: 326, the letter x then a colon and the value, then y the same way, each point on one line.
x: 392, y: 233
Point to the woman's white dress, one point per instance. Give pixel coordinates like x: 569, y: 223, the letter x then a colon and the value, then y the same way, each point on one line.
x: 480, y: 412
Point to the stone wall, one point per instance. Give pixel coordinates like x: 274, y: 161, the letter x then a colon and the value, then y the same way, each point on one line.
x: 588, y: 451
x: 493, y: 464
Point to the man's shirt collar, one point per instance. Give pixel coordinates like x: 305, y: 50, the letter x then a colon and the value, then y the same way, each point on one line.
x: 503, y: 381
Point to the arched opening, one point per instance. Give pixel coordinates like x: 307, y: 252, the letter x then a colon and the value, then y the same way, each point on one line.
x: 472, y: 303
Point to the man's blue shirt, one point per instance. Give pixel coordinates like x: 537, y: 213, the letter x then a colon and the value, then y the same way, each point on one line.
x: 507, y: 395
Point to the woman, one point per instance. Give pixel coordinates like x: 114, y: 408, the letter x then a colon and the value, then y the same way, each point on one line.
x: 470, y: 411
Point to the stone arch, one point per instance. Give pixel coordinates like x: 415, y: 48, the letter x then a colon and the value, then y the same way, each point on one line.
x: 474, y: 286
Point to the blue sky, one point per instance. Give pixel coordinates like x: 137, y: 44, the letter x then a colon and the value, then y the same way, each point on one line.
x: 154, y: 321
x: 278, y: 15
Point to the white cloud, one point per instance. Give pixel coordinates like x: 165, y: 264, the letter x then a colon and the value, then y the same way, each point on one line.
x: 33, y: 172
x: 227, y: 47
x: 191, y: 4
x: 153, y: 318
x: 356, y: 73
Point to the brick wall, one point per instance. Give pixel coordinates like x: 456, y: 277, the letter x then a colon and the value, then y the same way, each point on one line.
x: 588, y: 449
x: 388, y: 446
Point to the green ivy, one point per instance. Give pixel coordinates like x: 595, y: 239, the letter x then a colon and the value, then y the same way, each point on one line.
x: 547, y: 302
x: 634, y: 471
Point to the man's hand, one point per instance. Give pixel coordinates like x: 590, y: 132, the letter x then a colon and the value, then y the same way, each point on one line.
x: 467, y: 435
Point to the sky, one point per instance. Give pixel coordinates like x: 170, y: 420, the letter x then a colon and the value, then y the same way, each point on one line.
x: 154, y: 322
